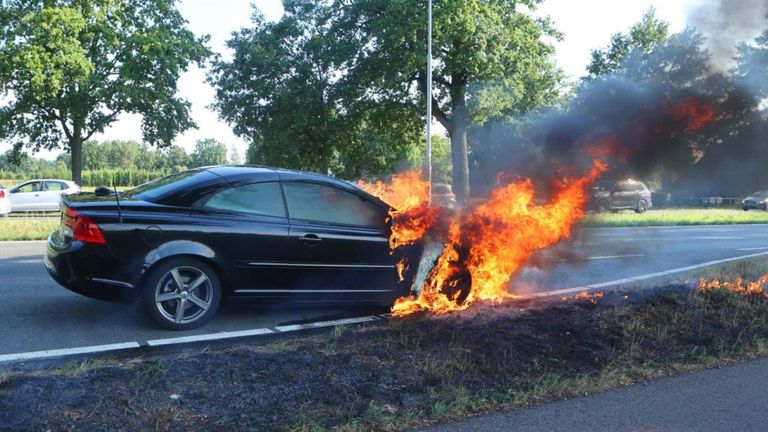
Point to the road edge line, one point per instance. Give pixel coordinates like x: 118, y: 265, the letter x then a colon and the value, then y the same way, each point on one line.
x: 619, y: 282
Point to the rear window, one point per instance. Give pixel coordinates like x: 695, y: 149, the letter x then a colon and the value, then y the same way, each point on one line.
x: 151, y: 191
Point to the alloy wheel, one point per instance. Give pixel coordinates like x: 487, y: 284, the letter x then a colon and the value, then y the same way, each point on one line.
x: 184, y: 294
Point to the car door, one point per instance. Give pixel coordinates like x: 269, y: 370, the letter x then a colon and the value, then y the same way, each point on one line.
x: 339, y: 243
x: 247, y: 226
x: 50, y: 197
x: 620, y: 195
x: 25, y: 197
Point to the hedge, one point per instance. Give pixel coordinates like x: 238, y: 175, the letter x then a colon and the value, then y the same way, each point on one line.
x: 104, y: 177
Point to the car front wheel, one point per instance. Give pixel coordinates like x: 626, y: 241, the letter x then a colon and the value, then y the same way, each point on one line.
x: 182, y: 293
x: 641, y: 207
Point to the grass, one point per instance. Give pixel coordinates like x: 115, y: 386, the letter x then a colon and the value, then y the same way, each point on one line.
x: 676, y: 217
x: 404, y: 373
x: 27, y: 228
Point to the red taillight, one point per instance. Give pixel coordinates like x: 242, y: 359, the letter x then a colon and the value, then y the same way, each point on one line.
x: 84, y: 229
x: 2, y: 193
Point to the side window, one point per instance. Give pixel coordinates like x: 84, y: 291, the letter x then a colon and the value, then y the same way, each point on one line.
x: 264, y: 199
x: 54, y: 186
x: 29, y: 187
x: 326, y: 204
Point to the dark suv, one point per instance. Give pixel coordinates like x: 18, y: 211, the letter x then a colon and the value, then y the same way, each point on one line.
x: 622, y: 195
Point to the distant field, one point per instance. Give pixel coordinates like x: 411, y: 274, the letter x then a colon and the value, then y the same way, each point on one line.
x: 27, y: 228
x: 676, y: 217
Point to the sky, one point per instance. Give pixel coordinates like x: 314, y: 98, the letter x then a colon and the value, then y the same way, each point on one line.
x: 586, y: 24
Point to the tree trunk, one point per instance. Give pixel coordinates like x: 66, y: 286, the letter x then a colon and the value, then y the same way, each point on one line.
x: 76, y: 151
x: 458, y: 133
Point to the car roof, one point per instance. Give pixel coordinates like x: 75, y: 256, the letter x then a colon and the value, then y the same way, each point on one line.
x: 250, y: 172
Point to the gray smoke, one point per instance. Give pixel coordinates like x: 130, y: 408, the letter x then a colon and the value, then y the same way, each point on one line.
x: 726, y: 23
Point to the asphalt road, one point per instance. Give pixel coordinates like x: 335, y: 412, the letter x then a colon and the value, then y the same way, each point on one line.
x: 36, y: 314
x: 729, y: 399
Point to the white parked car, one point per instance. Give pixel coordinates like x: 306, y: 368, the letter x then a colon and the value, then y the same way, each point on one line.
x: 35, y: 195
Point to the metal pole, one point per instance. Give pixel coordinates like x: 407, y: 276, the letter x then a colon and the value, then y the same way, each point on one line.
x: 428, y: 157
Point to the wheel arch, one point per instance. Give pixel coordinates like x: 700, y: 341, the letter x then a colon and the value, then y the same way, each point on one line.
x: 184, y: 249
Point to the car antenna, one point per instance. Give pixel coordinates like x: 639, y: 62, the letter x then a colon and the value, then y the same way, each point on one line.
x: 117, y: 199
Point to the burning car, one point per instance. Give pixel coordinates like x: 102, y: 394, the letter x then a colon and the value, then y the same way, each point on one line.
x: 180, y: 243
x: 621, y: 195
x: 758, y: 200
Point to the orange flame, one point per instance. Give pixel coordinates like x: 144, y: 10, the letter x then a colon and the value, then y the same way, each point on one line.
x: 411, y: 214
x: 739, y: 286
x: 401, y: 267
x: 490, y: 243
x: 694, y: 113
x: 593, y: 297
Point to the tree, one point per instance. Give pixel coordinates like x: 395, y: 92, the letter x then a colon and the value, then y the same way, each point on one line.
x: 491, y: 60
x: 208, y: 152
x: 282, y: 91
x: 173, y: 157
x: 69, y: 68
x: 234, y: 156
x: 641, y: 39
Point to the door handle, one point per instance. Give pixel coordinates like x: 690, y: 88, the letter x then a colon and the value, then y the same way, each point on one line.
x: 37, y: 195
x: 310, y: 239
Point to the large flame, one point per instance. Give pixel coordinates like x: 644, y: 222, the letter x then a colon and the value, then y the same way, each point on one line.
x: 411, y: 213
x: 486, y: 244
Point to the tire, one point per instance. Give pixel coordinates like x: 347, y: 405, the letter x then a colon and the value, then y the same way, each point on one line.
x: 603, y: 206
x: 641, y: 207
x: 186, y: 307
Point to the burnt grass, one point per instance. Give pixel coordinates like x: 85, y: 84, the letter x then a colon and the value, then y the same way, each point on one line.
x: 397, y: 373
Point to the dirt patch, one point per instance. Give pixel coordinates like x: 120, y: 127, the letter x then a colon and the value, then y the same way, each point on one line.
x: 398, y: 373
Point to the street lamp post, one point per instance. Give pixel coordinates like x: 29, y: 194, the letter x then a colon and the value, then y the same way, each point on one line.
x: 428, y: 156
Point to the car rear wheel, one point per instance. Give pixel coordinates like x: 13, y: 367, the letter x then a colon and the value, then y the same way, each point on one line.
x: 182, y: 293
x: 641, y: 207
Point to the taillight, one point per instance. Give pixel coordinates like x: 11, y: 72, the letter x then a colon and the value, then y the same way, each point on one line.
x: 2, y: 193
x: 84, y: 229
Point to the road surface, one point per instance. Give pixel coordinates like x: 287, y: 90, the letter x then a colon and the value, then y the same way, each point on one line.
x: 37, y: 314
x: 729, y: 399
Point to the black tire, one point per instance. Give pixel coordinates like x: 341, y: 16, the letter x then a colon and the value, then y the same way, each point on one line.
x: 186, y: 307
x: 603, y: 206
x: 641, y: 207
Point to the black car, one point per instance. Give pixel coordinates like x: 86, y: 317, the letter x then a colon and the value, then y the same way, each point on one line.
x: 180, y: 243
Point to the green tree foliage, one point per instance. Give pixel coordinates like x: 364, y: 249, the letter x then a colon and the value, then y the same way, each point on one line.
x: 69, y: 68
x: 282, y: 91
x: 208, y: 152
x: 491, y: 60
x: 640, y: 40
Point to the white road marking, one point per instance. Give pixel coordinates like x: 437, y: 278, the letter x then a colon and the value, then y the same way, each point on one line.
x: 35, y: 355
x: 714, y: 238
x: 209, y: 337
x: 612, y: 256
x: 618, y: 282
x: 753, y: 248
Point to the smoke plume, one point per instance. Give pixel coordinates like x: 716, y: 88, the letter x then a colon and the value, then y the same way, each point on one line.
x: 725, y: 24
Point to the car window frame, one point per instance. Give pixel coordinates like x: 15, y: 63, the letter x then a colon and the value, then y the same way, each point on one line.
x: 384, y: 208
x: 64, y: 186
x: 16, y: 188
x: 199, y: 205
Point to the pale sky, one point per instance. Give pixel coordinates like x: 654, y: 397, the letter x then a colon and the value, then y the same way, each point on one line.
x: 587, y: 24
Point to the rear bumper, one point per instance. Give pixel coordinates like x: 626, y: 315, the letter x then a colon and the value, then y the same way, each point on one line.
x: 91, y: 270
x: 754, y: 206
